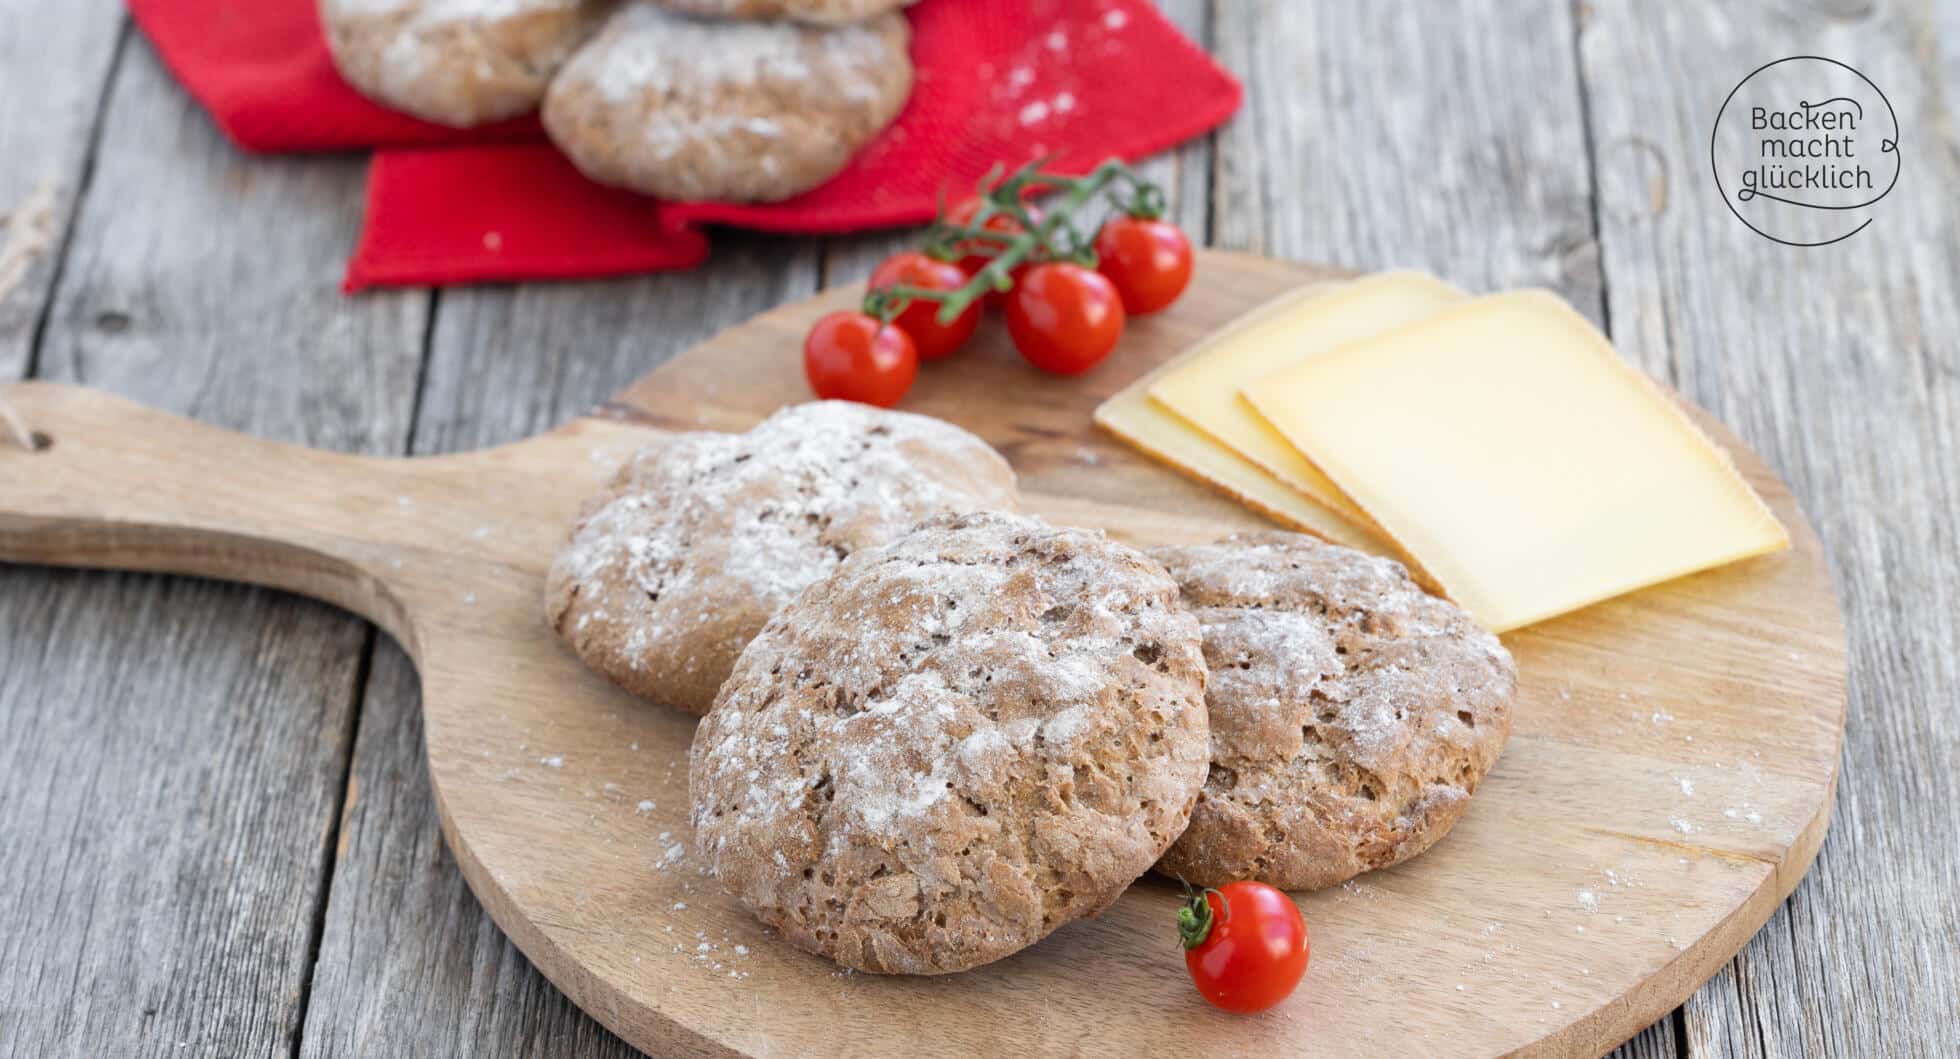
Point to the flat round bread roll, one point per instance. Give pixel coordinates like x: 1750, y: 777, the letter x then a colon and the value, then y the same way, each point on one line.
x: 456, y: 62
x: 954, y: 744
x: 800, y: 10
x: 1352, y: 714
x: 691, y: 109
x: 702, y: 539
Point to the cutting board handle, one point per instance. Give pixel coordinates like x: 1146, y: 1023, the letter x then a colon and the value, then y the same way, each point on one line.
x: 119, y: 486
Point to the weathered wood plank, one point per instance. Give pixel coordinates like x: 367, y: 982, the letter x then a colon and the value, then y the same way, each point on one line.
x: 409, y: 963
x: 206, y: 282
x: 1837, y: 364
x: 172, y: 753
x: 1658, y: 1041
x: 1378, y: 135
x: 54, y: 69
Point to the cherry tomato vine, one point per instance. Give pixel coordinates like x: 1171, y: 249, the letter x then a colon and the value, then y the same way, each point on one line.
x: 1067, y: 288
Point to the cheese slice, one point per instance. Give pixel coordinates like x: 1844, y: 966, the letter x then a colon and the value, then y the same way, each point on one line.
x: 1512, y: 453
x: 1132, y: 416
x: 1204, y: 389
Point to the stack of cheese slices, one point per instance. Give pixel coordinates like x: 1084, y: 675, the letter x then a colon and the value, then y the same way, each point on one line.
x: 1498, y: 444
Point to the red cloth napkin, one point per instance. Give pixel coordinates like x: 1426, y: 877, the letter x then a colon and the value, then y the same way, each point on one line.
x: 998, y: 81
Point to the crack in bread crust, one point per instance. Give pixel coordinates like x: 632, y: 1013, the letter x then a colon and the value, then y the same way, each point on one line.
x: 954, y: 744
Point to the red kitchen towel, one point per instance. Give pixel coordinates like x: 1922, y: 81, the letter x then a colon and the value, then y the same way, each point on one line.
x: 261, y: 68
x: 526, y: 214
x: 998, y: 81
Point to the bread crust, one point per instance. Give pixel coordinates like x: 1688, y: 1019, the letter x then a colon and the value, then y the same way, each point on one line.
x: 456, y: 62
x: 954, y: 744
x: 1352, y: 714
x: 694, y: 110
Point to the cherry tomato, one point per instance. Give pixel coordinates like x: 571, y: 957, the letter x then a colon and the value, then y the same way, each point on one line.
x: 850, y: 356
x: 1064, y: 318
x: 1148, y: 260
x: 962, y: 214
x: 1245, y: 945
x: 920, y: 319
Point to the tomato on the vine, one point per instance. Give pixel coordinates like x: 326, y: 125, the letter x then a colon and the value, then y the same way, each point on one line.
x: 961, y: 215
x: 920, y: 319
x: 851, y: 356
x: 1064, y: 318
x: 1245, y: 945
x: 1149, y: 261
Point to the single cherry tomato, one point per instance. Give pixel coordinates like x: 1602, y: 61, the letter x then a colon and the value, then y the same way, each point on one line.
x: 962, y: 214
x: 920, y: 320
x: 1148, y: 260
x: 1245, y: 945
x: 850, y: 356
x: 1064, y: 318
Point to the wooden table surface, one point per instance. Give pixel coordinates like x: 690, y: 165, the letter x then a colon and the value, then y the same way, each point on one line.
x: 216, y: 835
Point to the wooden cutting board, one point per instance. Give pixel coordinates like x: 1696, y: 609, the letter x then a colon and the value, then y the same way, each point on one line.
x: 1670, y: 778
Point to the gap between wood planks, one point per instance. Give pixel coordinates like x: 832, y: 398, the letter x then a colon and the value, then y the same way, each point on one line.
x: 84, y: 181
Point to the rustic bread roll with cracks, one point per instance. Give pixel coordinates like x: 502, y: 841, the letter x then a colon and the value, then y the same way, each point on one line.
x: 704, y: 537
x: 456, y: 62
x: 1352, y: 714
x: 954, y: 744
x: 691, y: 109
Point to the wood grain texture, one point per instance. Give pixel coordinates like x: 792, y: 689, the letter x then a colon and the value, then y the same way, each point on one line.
x: 564, y: 800
x: 54, y: 69
x: 198, y: 277
x: 1445, y: 137
x: 409, y: 963
x: 174, y: 751
x: 1837, y: 364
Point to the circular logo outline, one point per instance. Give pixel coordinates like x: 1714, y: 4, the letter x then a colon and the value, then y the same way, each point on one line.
x: 1715, y: 168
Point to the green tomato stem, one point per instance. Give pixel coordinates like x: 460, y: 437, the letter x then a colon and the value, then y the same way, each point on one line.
x: 1194, y: 917
x: 1054, y: 236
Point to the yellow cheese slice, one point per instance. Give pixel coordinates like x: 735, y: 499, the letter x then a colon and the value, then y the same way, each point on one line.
x: 1135, y: 418
x: 1511, y: 452
x: 1204, y: 388
x: 1132, y: 416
